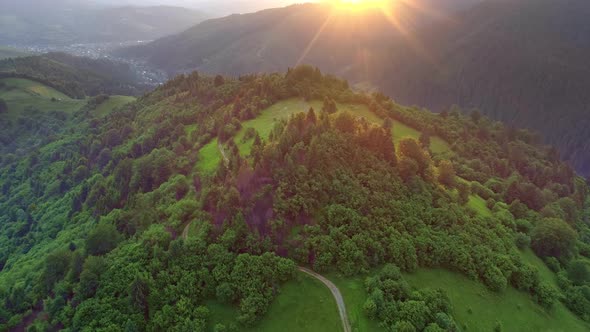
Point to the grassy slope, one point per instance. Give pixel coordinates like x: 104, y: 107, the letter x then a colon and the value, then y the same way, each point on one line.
x: 528, y: 256
x: 209, y: 158
x: 478, y: 204
x: 267, y: 119
x: 22, y: 93
x: 353, y: 291
x: 474, y: 306
x: 112, y: 103
x: 400, y: 130
x: 515, y: 310
x: 304, y: 304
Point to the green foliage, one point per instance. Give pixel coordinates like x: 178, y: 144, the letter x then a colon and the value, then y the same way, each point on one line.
x: 102, y: 239
x: 93, y: 268
x: 522, y: 241
x: 187, y: 197
x: 578, y: 272
x: 57, y: 265
x: 553, y: 237
x: 76, y: 77
x: 391, y: 302
x: 446, y: 173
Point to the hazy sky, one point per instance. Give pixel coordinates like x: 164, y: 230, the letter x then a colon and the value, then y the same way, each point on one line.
x: 215, y: 6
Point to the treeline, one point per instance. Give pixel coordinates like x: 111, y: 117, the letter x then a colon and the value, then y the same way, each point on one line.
x: 76, y: 77
x: 93, y: 229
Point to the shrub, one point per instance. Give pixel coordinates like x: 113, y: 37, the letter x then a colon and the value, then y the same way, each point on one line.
x: 553, y: 264
x: 545, y: 295
x: 522, y: 241
x: 102, y: 239
x: 553, y: 237
x: 578, y: 272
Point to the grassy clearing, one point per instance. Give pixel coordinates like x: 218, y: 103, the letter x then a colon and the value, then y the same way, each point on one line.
x: 475, y: 308
x: 20, y: 94
x: 478, y: 309
x: 113, y: 103
x: 267, y: 119
x: 283, y: 109
x: 401, y: 131
x: 209, y: 158
x: 190, y: 129
x: 479, y: 205
x: 304, y: 304
x: 355, y: 295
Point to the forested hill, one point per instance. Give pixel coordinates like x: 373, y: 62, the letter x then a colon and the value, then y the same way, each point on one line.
x: 523, y: 62
x: 205, y: 194
x: 74, y: 76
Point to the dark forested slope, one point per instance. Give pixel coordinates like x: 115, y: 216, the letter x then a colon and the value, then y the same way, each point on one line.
x: 90, y: 221
x: 523, y: 62
x: 275, y: 39
x: 76, y: 77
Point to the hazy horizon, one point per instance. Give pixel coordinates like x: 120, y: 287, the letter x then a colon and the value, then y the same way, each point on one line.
x: 217, y: 7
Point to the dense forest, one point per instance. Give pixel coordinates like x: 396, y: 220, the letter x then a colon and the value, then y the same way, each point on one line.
x: 77, y: 77
x: 92, y: 220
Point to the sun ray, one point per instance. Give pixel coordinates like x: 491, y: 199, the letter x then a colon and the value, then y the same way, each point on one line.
x: 396, y: 12
x: 315, y: 38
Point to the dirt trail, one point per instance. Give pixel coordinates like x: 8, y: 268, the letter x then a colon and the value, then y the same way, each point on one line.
x: 185, y: 231
x: 225, y: 158
x: 337, y: 296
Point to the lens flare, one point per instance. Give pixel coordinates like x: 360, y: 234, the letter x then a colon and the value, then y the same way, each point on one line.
x: 360, y: 4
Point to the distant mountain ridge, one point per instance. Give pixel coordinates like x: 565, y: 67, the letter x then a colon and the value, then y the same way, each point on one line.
x: 522, y: 61
x: 64, y: 22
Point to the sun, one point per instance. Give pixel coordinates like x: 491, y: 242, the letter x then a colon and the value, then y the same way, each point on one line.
x: 360, y: 4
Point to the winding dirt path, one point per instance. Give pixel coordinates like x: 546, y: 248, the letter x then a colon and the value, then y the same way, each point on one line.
x: 225, y: 158
x: 337, y: 296
x: 185, y: 231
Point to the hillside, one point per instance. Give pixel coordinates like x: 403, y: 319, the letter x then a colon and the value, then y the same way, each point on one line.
x: 76, y: 77
x: 522, y: 62
x: 64, y: 22
x: 190, y: 209
x: 276, y: 39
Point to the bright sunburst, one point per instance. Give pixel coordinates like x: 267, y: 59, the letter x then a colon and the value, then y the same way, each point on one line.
x: 360, y: 4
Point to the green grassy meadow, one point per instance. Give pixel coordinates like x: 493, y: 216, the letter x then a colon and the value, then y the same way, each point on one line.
x: 478, y: 204
x: 354, y: 294
x: 113, y: 103
x: 20, y: 94
x: 209, y: 158
x: 303, y: 304
x: 476, y: 308
x: 528, y: 256
x: 267, y: 119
